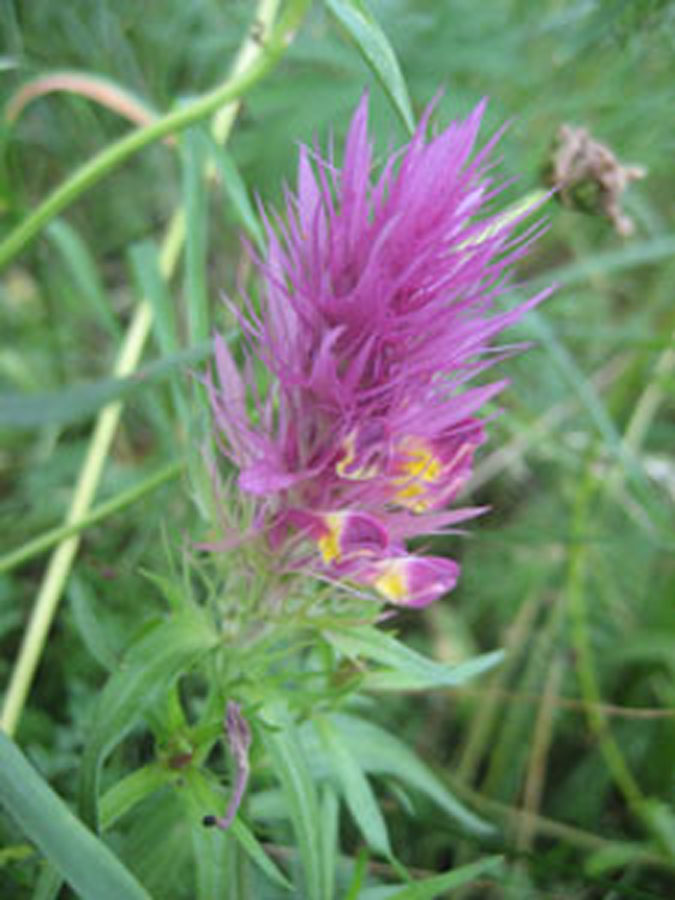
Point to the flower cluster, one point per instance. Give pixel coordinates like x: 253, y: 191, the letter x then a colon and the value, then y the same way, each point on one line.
x: 377, y: 307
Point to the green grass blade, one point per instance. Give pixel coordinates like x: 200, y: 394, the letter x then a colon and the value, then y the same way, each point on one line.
x: 125, y: 498
x: 252, y: 847
x: 361, y: 26
x: 49, y: 884
x: 82, y: 267
x: 291, y: 769
x: 131, y: 790
x: 637, y: 253
x: 145, y: 265
x: 430, y: 888
x: 235, y: 188
x: 405, y: 668
x: 35, y: 409
x: 85, y: 862
x: 357, y: 791
x: 381, y: 753
x: 330, y: 824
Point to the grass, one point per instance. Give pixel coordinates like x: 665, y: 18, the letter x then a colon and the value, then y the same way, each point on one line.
x: 568, y: 746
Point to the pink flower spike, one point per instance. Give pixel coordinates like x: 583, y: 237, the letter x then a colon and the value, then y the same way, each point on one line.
x: 381, y: 299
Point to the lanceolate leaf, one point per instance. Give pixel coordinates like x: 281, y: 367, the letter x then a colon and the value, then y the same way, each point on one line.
x: 151, y: 665
x: 430, y: 888
x: 358, y: 793
x: 403, y: 667
x: 33, y: 410
x: 291, y: 769
x: 380, y: 753
x: 363, y: 29
x: 84, y: 861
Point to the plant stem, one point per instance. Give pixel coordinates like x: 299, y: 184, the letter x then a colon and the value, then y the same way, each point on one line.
x: 264, y: 52
x: 588, y: 684
x: 253, y: 60
x: 541, y: 746
x: 125, y: 498
x: 510, y: 818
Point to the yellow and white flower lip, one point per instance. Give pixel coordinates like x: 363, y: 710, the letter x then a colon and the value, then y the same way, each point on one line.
x: 414, y: 581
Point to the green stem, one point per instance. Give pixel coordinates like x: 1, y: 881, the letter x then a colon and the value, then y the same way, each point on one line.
x: 262, y: 61
x: 510, y: 817
x: 590, y: 691
x: 61, y: 561
x: 110, y: 507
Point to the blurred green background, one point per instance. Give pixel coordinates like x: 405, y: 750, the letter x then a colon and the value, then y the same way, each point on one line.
x: 569, y: 746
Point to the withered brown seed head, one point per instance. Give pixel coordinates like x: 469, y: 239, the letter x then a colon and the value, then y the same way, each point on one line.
x: 580, y: 162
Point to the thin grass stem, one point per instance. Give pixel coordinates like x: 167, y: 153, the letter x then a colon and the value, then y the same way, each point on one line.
x: 252, y: 61
x: 588, y: 684
x: 47, y: 539
x: 268, y: 50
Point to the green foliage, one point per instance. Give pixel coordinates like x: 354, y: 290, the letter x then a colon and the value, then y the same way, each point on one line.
x: 85, y: 862
x: 554, y: 752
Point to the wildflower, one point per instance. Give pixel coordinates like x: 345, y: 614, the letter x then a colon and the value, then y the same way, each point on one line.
x: 378, y: 306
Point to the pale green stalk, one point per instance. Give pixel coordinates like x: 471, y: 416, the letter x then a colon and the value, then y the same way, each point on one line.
x: 518, y: 210
x: 583, y: 653
x: 541, y: 746
x: 644, y: 411
x: 125, y: 498
x: 254, y: 58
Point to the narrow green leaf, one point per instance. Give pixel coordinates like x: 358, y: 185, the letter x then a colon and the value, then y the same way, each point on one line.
x: 157, y: 845
x: 649, y: 647
x: 33, y: 410
x: 358, y: 793
x: 91, y: 628
x: 235, y: 188
x: 151, y: 665
x: 48, y: 884
x: 406, y: 669
x: 661, y: 820
x: 84, y: 272
x: 129, y: 791
x: 144, y: 260
x: 202, y: 798
x: 84, y: 861
x: 209, y: 845
x: 250, y: 844
x: 359, y: 874
x: 380, y: 753
x: 616, y: 855
x: 431, y: 888
x: 372, y: 43
x: 631, y: 254
x: 291, y: 769
x: 145, y: 266
x: 330, y: 824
